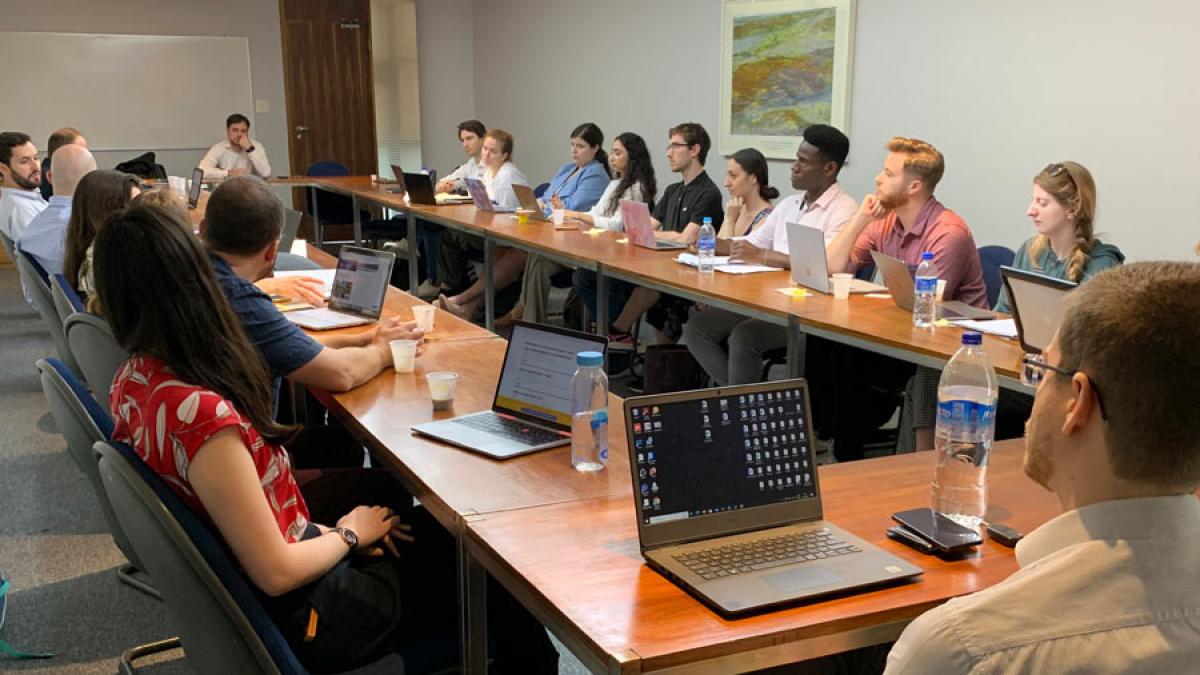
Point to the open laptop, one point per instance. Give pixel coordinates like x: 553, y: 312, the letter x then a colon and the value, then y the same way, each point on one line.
x: 532, y: 407
x: 635, y: 216
x: 806, y: 250
x: 899, y: 280
x: 1037, y: 306
x: 479, y: 195
x: 359, y: 287
x: 421, y: 190
x: 530, y: 203
x: 729, y: 503
x: 195, y: 188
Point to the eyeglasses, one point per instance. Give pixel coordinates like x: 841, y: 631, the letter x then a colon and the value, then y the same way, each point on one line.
x: 672, y: 146
x: 1034, y: 371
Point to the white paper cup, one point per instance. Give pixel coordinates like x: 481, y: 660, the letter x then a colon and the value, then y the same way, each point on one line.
x: 404, y: 355
x: 941, y: 289
x: 423, y: 315
x: 442, y: 386
x: 558, y: 215
x: 841, y: 285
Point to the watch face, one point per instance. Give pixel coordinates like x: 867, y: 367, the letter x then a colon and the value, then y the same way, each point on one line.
x: 349, y: 537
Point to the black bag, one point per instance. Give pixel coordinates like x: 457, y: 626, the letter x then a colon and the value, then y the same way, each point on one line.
x: 143, y: 166
x: 671, y: 368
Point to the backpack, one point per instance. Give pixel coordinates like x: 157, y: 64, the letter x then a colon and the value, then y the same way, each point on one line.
x: 143, y: 166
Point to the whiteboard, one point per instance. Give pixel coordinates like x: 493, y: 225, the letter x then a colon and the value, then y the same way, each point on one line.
x: 126, y: 92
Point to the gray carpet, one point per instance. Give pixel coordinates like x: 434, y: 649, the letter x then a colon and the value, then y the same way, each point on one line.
x: 54, y: 545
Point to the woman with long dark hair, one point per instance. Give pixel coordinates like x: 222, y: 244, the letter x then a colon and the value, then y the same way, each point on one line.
x: 99, y: 195
x: 195, y: 402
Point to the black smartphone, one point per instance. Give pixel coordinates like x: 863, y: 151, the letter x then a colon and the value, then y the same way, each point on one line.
x: 945, y: 534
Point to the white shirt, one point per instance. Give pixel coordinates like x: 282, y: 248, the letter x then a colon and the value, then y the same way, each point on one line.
x: 1111, y: 587
x: 829, y: 213
x: 603, y: 221
x: 469, y: 169
x: 499, y: 185
x: 17, y: 209
x: 222, y: 157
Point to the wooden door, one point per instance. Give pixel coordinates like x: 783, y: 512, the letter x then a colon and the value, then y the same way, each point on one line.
x: 329, y: 84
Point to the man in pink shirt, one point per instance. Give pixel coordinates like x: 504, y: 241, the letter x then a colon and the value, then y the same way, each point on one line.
x: 903, y: 219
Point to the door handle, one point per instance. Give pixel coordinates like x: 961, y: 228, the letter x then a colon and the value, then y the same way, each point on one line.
x: 300, y: 131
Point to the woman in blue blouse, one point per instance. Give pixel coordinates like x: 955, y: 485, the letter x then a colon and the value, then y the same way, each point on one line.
x: 579, y: 183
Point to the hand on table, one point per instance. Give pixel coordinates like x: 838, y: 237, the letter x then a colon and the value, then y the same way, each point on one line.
x: 304, y: 289
x: 743, y: 251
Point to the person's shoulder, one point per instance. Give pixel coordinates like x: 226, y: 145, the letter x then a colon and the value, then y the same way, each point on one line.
x: 1103, y: 256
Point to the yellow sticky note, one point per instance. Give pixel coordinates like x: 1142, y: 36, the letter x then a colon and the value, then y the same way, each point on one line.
x: 942, y: 322
x: 623, y: 240
x: 794, y: 292
x: 593, y: 231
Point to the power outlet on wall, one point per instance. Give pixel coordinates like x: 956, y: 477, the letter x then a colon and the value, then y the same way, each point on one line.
x: 262, y: 105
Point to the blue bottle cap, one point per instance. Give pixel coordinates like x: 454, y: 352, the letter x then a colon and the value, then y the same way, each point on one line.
x: 972, y: 338
x: 600, y: 417
x: 707, y: 220
x: 927, y: 255
x: 589, y: 359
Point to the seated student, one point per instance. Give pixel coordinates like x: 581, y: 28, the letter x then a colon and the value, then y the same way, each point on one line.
x: 20, y: 177
x: 45, y: 238
x: 241, y: 229
x: 499, y: 174
x: 238, y: 154
x: 729, y: 346
x: 99, y: 194
x: 579, y: 183
x: 58, y: 139
x: 381, y: 580
x: 1110, y: 584
x: 585, y: 152
x: 692, y: 199
x: 750, y: 197
x: 470, y: 135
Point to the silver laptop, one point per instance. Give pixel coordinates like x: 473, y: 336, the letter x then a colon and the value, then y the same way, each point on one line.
x: 806, y: 250
x: 1037, y: 306
x: 532, y: 407
x: 359, y: 286
x: 479, y: 195
x: 530, y: 203
x: 899, y: 280
x: 729, y: 503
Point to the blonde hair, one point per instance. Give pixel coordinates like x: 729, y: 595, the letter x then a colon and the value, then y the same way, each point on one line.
x: 923, y: 161
x: 505, y: 139
x: 1071, y: 185
x: 165, y: 199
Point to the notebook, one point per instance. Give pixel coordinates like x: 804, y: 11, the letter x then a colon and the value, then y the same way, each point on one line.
x: 356, y: 297
x: 420, y: 189
x: 728, y: 499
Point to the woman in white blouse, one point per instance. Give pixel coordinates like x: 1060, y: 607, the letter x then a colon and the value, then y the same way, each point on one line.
x: 633, y: 179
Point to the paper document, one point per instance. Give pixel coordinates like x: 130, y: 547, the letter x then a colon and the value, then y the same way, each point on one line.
x: 693, y: 260
x: 300, y: 248
x: 1002, y: 327
x: 325, y: 275
x: 744, y: 268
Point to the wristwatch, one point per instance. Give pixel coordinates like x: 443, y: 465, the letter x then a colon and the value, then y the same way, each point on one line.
x: 347, y: 536
x: 250, y: 149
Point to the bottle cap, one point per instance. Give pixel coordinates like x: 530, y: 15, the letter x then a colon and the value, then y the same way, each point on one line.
x: 598, y: 418
x: 589, y: 359
x: 927, y: 255
x: 707, y: 220
x: 972, y: 338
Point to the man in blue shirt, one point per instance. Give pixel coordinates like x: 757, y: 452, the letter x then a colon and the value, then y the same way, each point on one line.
x: 45, y: 238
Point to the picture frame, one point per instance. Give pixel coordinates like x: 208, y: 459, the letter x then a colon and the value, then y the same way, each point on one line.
x: 785, y: 64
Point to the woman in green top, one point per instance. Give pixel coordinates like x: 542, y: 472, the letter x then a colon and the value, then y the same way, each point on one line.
x: 1063, y: 207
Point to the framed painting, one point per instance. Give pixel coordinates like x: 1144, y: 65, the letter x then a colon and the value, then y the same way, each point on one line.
x: 785, y: 64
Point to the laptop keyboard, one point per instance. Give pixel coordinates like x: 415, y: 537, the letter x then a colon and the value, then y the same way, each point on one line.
x: 514, y: 430
x: 761, y: 554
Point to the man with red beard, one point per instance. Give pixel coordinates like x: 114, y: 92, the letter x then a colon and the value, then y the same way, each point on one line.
x: 1110, y: 585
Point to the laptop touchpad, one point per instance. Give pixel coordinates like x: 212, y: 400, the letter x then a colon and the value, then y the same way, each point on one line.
x: 802, y: 578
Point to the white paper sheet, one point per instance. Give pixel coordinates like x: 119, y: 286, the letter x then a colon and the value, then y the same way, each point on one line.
x: 325, y: 275
x: 1002, y: 327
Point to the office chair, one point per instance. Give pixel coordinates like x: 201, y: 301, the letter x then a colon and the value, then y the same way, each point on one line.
x: 99, y: 356
x: 37, y: 282
x: 541, y: 190
x: 992, y: 258
x: 66, y: 300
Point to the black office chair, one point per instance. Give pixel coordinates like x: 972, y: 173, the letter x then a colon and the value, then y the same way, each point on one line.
x: 541, y: 190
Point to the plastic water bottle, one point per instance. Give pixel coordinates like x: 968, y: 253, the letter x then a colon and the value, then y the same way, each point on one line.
x: 589, y: 407
x: 925, y: 283
x: 706, y: 246
x: 966, y: 425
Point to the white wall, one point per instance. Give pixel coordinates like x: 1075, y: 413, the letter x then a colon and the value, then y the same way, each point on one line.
x: 1001, y: 88
x: 258, y: 21
x: 445, y: 55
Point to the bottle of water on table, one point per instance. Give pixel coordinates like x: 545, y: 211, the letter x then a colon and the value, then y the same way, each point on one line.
x: 589, y: 407
x: 925, y: 284
x: 966, y: 425
x: 706, y: 246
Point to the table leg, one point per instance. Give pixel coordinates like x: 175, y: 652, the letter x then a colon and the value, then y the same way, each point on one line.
x: 357, y: 220
x: 601, y: 302
x: 413, y: 277
x: 312, y: 199
x: 795, y: 348
x: 472, y: 593
x: 489, y: 284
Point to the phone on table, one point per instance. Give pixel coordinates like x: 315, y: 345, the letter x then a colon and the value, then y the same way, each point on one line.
x: 939, y: 531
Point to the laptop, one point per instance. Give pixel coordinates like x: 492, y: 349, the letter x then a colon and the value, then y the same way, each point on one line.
x: 1037, y: 306
x: 640, y: 230
x: 195, y: 188
x: 899, y: 280
x: 806, y: 250
x: 728, y: 499
x: 530, y: 203
x: 532, y: 407
x: 420, y: 189
x: 291, y: 225
x: 479, y: 195
x: 359, y: 287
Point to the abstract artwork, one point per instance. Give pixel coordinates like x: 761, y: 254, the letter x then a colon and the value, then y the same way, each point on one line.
x: 785, y: 65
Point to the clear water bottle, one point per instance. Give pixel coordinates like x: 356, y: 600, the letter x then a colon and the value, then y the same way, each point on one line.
x: 925, y: 283
x: 589, y: 408
x: 706, y: 246
x: 966, y: 425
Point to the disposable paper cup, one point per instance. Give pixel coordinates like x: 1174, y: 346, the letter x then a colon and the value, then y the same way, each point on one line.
x: 941, y: 289
x: 841, y: 285
x: 404, y: 355
x: 442, y: 385
x: 558, y: 215
x: 423, y: 315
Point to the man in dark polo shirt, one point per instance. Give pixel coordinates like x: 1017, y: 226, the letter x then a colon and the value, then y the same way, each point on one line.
x: 241, y: 229
x: 691, y: 200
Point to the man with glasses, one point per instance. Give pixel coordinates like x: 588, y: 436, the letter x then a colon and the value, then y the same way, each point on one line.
x: 1110, y: 585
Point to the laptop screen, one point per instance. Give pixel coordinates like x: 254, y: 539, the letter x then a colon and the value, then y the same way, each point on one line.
x: 361, y: 281
x: 196, y: 186
x: 1037, y: 306
x: 538, y: 367
x: 721, y: 450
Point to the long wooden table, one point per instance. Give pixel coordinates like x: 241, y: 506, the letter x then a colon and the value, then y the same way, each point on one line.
x: 619, y: 616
